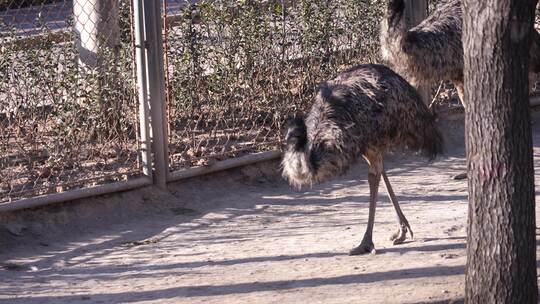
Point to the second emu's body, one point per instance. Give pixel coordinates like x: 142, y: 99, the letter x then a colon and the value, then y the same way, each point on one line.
x: 432, y: 51
x: 365, y: 111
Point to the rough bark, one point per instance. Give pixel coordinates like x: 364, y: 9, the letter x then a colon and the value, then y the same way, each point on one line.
x: 501, y: 251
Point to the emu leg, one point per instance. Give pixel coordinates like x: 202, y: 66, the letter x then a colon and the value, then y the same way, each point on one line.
x: 461, y: 93
x: 374, y: 178
x: 403, y: 225
x: 532, y: 81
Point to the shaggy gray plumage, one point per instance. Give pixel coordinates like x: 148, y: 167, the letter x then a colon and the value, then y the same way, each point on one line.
x: 431, y: 51
x: 365, y: 111
x: 368, y: 107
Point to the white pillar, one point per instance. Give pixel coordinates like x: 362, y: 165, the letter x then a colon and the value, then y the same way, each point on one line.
x: 96, y: 26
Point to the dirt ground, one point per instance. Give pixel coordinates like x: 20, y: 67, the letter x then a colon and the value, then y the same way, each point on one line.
x: 247, y: 237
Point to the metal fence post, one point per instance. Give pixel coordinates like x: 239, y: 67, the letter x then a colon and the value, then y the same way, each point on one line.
x: 416, y: 11
x: 155, y: 89
x: 142, y: 87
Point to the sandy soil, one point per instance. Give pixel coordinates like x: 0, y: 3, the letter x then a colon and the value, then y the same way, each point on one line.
x: 247, y: 237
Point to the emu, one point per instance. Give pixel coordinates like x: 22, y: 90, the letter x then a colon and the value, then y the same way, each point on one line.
x: 432, y: 51
x: 365, y: 111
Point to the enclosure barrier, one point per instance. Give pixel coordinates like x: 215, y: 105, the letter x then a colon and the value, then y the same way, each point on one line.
x: 101, y: 96
x: 68, y: 124
x: 39, y: 201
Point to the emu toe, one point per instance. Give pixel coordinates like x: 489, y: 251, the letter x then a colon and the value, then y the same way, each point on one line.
x: 460, y: 176
x: 364, y: 248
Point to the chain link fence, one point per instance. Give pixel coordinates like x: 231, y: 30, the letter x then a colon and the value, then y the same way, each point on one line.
x: 68, y: 115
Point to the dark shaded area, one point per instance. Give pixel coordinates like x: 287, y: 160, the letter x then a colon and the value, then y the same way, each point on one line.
x: 205, y: 290
x: 452, y: 301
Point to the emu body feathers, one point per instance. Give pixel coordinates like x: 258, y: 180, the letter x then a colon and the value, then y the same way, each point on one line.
x: 366, y: 108
x: 432, y: 51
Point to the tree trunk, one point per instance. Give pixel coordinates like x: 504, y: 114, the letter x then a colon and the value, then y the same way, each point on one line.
x: 501, y: 250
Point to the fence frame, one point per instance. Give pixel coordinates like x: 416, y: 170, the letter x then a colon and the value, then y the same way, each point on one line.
x: 155, y: 88
x: 75, y: 194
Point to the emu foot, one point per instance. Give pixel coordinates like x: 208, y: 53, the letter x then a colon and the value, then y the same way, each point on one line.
x: 399, y: 236
x: 460, y: 176
x: 363, y: 248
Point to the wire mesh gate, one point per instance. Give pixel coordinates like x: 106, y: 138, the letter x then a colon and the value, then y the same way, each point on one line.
x: 67, y: 114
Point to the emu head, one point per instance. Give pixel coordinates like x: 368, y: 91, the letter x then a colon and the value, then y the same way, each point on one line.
x: 296, y: 136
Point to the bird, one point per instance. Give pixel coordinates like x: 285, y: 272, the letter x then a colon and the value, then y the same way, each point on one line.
x: 432, y: 51
x: 366, y: 111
